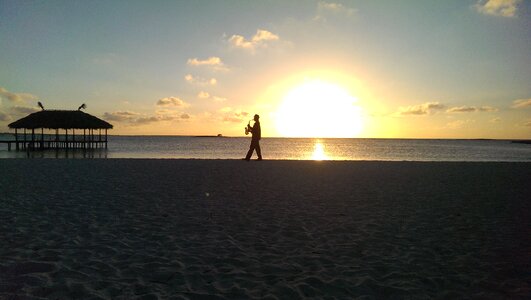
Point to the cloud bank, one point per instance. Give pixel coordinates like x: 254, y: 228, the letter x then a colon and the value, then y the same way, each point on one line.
x: 16, y: 97
x: 206, y: 95
x: 200, y: 81
x: 335, y: 8
x: 502, y: 8
x: 521, y: 103
x: 466, y: 109
x: 134, y: 118
x: 213, y: 62
x: 119, y: 116
x: 172, y: 101
x: 232, y: 116
x: 262, y: 38
x: 422, y: 109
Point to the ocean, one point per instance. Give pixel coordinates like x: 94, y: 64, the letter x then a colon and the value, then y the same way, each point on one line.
x: 188, y: 147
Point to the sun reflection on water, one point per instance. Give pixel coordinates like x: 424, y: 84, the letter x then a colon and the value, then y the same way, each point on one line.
x: 319, y: 153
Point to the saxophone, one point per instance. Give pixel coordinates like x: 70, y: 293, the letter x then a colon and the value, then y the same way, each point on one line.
x: 248, y: 128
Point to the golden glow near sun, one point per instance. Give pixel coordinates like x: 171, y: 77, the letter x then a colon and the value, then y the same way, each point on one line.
x: 319, y: 109
x: 319, y: 153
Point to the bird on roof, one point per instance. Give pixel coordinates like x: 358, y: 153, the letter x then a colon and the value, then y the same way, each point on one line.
x: 82, y: 106
x: 40, y: 105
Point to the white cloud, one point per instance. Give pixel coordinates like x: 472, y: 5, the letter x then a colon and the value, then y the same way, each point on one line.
x: 203, y: 95
x: 168, y: 115
x: 422, y: 109
x: 200, y: 81
x: 24, y: 109
x: 335, y: 7
x: 328, y: 9
x: 503, y: 8
x: 461, y: 109
x: 487, y: 109
x: 522, y: 103
x: 172, y: 101
x: 234, y: 116
x: 146, y: 120
x: 134, y: 118
x: 495, y: 120
x: 466, y: 109
x: 213, y: 62
x: 262, y: 38
x: 16, y: 97
x: 120, y: 116
x: 206, y: 95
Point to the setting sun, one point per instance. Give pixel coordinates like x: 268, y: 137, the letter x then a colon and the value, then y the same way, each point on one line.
x: 319, y: 109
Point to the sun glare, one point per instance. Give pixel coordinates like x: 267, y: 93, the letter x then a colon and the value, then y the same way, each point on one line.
x: 319, y: 153
x: 319, y: 109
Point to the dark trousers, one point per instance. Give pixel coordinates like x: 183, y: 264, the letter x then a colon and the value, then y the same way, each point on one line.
x: 255, y: 145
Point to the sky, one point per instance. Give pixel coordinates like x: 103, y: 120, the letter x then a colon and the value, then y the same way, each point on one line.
x: 370, y: 69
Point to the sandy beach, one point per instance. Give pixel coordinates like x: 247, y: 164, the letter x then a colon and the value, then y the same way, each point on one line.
x: 228, y: 229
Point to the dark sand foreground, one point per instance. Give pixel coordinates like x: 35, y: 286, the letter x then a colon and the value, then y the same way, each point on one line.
x: 126, y: 229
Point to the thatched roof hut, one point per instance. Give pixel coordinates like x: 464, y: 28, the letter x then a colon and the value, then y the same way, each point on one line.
x: 60, y: 119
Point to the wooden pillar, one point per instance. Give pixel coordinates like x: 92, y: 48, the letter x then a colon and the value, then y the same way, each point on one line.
x: 73, y: 138
x: 16, y: 139
x: 33, y: 139
x: 105, y: 138
x: 42, y: 138
x: 84, y: 138
x: 66, y: 138
x: 25, y: 145
x: 57, y: 138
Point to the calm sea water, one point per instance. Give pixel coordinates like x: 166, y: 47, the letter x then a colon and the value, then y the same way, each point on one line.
x: 295, y: 149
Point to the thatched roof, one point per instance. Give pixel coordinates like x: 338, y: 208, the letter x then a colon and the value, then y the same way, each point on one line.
x: 60, y: 119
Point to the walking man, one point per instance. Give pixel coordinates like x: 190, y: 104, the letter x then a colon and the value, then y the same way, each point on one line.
x: 255, y: 140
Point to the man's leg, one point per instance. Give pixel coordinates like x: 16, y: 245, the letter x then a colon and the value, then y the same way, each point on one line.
x: 258, y: 150
x: 250, y: 152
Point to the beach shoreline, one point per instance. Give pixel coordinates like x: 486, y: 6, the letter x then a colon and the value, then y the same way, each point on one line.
x: 185, y: 228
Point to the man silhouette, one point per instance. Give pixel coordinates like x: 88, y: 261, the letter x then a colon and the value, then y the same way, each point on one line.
x: 255, y: 140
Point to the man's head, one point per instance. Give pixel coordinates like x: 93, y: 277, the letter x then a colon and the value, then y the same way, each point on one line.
x: 256, y: 117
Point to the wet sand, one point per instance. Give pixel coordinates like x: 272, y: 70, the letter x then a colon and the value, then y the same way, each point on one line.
x: 228, y: 229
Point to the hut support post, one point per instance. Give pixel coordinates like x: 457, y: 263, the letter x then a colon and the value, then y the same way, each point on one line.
x: 16, y: 139
x: 74, y: 138
x: 66, y: 138
x: 105, y: 138
x: 25, y: 145
x: 33, y: 138
x: 57, y: 138
x: 42, y: 138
